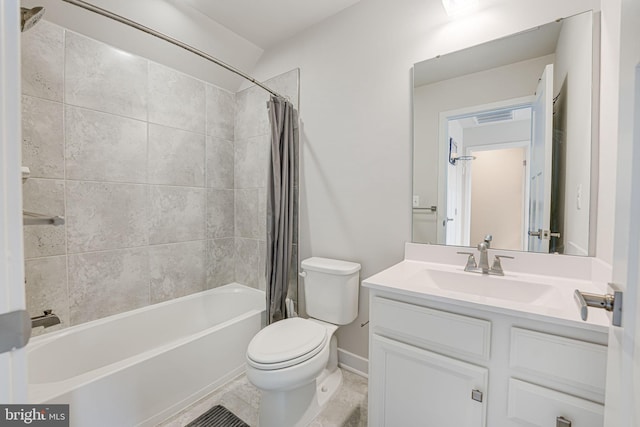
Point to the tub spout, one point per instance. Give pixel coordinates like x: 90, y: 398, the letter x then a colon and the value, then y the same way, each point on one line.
x: 47, y: 319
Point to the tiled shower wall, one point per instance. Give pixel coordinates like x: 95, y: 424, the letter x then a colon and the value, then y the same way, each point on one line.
x: 160, y: 176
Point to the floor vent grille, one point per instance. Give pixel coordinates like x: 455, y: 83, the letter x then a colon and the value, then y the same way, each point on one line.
x: 218, y: 416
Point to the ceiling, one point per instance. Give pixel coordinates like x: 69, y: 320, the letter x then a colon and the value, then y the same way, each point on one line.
x: 266, y: 23
x: 533, y: 43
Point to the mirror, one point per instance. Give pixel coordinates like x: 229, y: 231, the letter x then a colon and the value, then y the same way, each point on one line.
x: 503, y: 141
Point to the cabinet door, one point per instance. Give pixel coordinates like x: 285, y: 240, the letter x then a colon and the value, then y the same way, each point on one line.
x: 409, y: 386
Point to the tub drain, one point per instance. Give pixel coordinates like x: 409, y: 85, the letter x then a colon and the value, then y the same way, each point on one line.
x: 218, y: 416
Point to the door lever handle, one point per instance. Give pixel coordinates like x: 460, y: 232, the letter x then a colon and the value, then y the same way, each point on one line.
x: 609, y: 302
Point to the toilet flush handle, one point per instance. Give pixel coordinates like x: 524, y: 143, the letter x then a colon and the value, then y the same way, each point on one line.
x: 302, y: 274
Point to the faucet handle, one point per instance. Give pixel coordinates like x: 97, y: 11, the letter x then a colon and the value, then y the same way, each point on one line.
x: 497, y: 266
x: 471, y: 261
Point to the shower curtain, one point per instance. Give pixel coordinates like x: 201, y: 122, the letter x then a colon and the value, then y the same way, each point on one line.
x: 280, y: 206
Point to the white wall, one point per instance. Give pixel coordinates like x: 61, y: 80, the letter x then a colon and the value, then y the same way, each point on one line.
x: 573, y: 56
x: 355, y: 97
x: 169, y: 17
x: 608, y: 149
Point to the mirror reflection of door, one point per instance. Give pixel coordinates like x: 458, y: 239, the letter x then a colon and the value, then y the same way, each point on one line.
x: 488, y: 184
x: 498, y: 195
x: 541, y: 149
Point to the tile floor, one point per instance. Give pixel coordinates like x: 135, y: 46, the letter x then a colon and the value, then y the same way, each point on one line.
x: 347, y: 408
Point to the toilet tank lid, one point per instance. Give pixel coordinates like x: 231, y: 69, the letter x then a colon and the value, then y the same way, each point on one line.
x: 327, y: 265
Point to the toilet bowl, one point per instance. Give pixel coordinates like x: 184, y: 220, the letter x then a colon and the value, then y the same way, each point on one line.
x: 294, y: 362
x: 295, y: 379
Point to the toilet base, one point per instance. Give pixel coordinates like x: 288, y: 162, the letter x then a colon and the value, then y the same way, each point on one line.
x: 298, y: 407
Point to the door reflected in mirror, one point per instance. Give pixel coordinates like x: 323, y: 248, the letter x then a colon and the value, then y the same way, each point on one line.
x: 503, y: 142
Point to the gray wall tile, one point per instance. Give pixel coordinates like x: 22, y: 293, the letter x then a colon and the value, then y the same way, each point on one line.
x: 220, y: 213
x: 111, y: 217
x: 252, y: 158
x: 44, y: 196
x: 43, y: 61
x: 252, y: 118
x: 42, y: 137
x: 220, y: 262
x: 247, y: 223
x: 176, y: 157
x: 46, y: 288
x: 176, y: 99
x: 104, y: 147
x: 177, y: 270
x: 177, y: 214
x: 220, y: 163
x: 220, y: 113
x: 106, y: 283
x: 103, y: 78
x: 103, y: 216
x: 248, y: 262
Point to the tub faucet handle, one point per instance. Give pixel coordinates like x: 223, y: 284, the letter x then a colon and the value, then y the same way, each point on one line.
x: 47, y: 319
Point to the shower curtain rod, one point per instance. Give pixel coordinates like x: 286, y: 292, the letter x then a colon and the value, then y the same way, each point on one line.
x: 126, y: 21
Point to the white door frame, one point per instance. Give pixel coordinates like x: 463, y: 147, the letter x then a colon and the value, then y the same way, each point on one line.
x: 541, y: 161
x: 13, y: 369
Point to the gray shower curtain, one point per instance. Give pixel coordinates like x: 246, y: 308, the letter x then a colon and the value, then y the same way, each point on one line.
x: 280, y: 206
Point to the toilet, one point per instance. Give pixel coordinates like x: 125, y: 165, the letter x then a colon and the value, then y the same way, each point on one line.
x: 294, y: 362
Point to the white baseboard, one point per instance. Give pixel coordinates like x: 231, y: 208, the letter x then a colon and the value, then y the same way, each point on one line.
x: 353, y: 363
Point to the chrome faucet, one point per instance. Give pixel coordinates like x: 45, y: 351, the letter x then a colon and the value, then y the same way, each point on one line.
x: 47, y: 319
x: 483, y: 264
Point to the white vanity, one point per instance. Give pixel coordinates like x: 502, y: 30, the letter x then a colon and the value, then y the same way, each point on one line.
x: 450, y: 348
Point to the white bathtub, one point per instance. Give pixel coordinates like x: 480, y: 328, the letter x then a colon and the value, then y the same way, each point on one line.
x: 139, y: 367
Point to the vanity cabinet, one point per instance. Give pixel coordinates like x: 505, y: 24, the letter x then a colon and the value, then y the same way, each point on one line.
x: 416, y: 381
x: 418, y: 387
x: 437, y: 364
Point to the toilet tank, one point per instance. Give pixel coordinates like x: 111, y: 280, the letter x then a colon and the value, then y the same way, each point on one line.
x: 331, y: 289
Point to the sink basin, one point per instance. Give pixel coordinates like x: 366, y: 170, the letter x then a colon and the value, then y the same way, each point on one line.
x: 484, y: 285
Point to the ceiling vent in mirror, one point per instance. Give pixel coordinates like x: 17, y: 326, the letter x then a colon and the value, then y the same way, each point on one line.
x: 494, y: 116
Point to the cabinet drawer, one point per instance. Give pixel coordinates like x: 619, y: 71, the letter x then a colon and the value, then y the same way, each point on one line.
x: 538, y: 406
x: 576, y: 366
x: 448, y: 333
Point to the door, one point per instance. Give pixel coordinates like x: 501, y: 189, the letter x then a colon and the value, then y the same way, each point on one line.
x: 452, y: 223
x: 12, y: 296
x: 446, y: 388
x: 540, y: 169
x: 499, y: 179
x: 622, y: 400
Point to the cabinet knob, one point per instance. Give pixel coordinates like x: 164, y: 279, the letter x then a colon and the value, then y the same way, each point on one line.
x: 476, y: 395
x: 563, y: 422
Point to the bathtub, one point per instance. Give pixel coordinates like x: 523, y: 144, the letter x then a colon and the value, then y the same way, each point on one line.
x: 140, y: 367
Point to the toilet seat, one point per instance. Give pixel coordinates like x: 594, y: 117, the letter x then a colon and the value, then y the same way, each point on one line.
x: 286, y: 343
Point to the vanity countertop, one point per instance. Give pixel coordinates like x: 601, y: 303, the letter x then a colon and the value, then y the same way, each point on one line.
x: 531, y: 296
